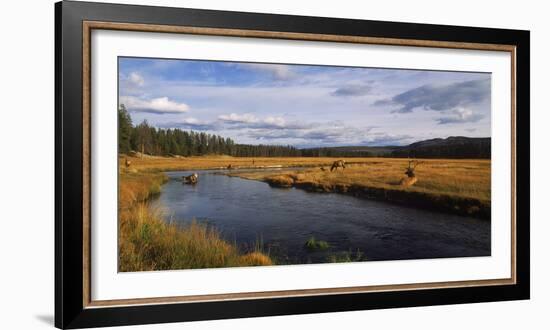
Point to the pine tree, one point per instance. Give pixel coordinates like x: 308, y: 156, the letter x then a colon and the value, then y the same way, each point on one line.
x: 124, y: 130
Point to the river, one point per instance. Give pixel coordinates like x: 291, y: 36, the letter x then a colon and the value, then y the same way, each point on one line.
x: 282, y: 220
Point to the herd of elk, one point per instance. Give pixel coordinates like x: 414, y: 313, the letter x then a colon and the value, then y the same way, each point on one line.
x: 409, y: 171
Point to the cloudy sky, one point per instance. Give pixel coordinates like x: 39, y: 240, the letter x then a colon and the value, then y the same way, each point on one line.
x: 303, y: 105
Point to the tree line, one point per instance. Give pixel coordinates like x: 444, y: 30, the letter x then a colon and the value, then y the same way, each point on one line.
x: 150, y: 140
x: 473, y: 149
x: 170, y: 142
x: 335, y: 152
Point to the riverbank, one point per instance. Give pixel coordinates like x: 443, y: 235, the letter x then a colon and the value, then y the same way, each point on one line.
x: 222, y: 162
x: 460, y: 186
x: 147, y: 242
x: 299, y: 227
x: 457, y: 186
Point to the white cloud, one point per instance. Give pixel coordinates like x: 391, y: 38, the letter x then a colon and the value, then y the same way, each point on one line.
x: 460, y: 115
x: 189, y: 123
x: 236, y: 118
x: 247, y: 120
x: 131, y: 83
x: 190, y: 120
x: 328, y: 134
x: 278, y: 71
x: 275, y: 121
x: 158, y: 105
x: 136, y: 79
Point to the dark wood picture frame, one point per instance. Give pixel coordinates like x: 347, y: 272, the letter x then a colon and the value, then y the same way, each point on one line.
x: 73, y: 24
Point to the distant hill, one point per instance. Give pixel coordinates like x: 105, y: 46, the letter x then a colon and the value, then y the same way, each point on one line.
x: 451, y: 147
x: 349, y: 151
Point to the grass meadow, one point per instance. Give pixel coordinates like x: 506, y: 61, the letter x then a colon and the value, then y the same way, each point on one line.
x: 456, y: 186
x: 460, y: 178
x: 147, y: 242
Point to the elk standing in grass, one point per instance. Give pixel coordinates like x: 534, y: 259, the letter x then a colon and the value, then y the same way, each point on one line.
x: 127, y: 163
x: 338, y: 163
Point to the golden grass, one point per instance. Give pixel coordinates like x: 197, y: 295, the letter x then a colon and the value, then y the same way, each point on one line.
x: 442, y: 183
x: 459, y: 186
x: 147, y: 242
x: 255, y: 259
x: 156, y: 163
x: 462, y: 178
x: 136, y: 187
x: 459, y: 177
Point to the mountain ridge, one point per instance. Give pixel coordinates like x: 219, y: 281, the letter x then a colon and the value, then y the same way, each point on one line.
x: 450, y: 147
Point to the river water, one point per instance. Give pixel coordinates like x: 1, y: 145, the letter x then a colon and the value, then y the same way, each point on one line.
x: 249, y: 212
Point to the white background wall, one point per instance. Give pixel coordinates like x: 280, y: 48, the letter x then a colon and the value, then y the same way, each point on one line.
x: 27, y: 168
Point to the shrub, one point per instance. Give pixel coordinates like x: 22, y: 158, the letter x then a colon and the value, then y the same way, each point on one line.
x: 313, y: 244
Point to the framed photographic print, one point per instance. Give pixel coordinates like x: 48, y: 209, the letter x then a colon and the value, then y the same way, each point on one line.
x: 215, y: 164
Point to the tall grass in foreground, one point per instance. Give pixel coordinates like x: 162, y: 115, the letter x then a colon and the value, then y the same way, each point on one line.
x: 135, y: 187
x: 147, y: 242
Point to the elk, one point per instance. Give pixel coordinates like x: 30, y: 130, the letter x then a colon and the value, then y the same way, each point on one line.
x: 338, y: 163
x: 411, y: 176
x: 410, y: 169
x: 127, y: 163
x: 191, y: 179
x: 229, y: 167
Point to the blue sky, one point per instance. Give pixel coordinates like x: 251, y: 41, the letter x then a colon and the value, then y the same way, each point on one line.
x: 305, y: 105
